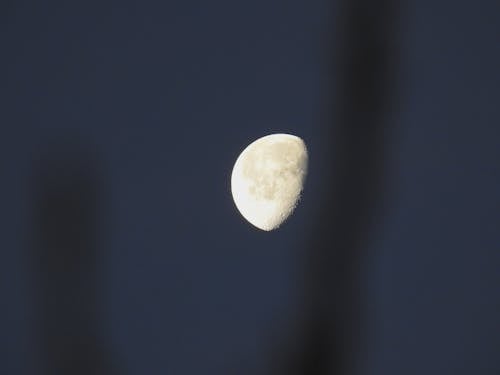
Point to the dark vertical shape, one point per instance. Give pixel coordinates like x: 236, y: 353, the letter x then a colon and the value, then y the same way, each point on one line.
x: 364, y: 70
x: 67, y: 191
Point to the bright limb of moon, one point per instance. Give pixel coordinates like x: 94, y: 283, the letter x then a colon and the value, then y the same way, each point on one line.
x: 268, y: 178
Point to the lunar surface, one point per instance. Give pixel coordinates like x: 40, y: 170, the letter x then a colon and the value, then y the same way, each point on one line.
x: 268, y: 178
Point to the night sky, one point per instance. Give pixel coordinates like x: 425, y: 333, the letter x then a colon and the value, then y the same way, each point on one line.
x: 160, y: 97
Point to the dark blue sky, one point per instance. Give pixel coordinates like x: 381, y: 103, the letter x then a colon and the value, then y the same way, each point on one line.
x: 166, y: 95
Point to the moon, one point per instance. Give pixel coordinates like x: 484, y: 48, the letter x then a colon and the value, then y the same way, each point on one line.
x: 268, y: 178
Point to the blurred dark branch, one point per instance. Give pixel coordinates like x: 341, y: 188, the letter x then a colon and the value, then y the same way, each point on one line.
x: 362, y: 81
x: 67, y: 190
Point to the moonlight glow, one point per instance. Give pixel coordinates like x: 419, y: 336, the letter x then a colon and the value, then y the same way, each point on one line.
x: 268, y: 178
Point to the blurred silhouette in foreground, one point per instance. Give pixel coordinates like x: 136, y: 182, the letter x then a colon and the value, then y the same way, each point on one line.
x: 67, y: 192
x: 357, y: 104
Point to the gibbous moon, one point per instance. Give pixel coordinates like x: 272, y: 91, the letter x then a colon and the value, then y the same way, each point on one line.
x: 268, y: 178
